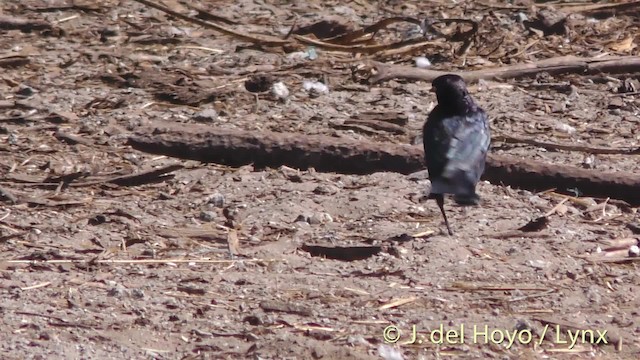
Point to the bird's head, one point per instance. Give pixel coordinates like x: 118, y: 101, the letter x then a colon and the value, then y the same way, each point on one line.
x: 451, y: 91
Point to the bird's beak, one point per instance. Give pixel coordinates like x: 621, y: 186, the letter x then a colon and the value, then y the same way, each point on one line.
x: 433, y: 89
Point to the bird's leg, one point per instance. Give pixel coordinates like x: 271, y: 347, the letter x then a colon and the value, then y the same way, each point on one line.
x: 440, y: 201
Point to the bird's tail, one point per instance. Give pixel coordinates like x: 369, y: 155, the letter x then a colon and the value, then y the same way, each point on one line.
x: 442, y: 186
x: 464, y: 193
x: 470, y: 199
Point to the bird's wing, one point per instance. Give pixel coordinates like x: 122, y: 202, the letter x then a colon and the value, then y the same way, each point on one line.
x: 435, y: 138
x: 468, y: 146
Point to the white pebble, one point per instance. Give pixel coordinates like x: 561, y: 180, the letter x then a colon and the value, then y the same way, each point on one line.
x: 298, y: 55
x: 566, y: 128
x: 422, y: 62
x: 315, y: 87
x: 280, y: 90
x: 537, y: 264
x: 634, y: 251
x: 522, y: 17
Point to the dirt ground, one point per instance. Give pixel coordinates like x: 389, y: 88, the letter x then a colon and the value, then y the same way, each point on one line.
x: 154, y: 271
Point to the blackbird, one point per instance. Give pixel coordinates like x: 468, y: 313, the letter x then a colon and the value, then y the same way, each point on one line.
x: 456, y: 139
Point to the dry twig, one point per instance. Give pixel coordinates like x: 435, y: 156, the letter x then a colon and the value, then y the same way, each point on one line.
x: 512, y: 139
x: 553, y: 66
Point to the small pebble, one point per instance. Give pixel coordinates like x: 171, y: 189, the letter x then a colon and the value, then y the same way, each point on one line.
x: 207, y: 216
x: 117, y: 291
x: 280, y: 91
x: 565, y: 128
x: 207, y: 115
x: 12, y: 139
x: 171, y: 303
x: 537, y: 264
x: 326, y: 189
x: 593, y: 294
x: 137, y: 293
x: 216, y: 200
x: 522, y: 325
x: 589, y: 161
x: 320, y: 218
x: 422, y: 62
x: 522, y: 17
x: 25, y: 91
x: 315, y: 88
x: 298, y: 55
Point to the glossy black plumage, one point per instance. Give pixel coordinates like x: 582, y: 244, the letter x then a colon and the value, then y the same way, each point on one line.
x: 456, y: 139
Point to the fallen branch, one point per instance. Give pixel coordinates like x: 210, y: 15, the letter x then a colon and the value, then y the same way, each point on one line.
x: 510, y: 139
x: 269, y: 149
x: 469, y: 286
x: 363, y: 49
x: 553, y: 66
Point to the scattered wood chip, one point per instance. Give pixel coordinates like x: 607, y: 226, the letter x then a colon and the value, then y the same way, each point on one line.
x: 389, y: 117
x: 55, y: 203
x: 72, y: 139
x: 461, y: 285
x: 233, y: 243
x: 313, y: 328
x: 37, y: 286
x: 144, y: 177
x: 377, y: 125
x: 290, y: 308
x: 398, y: 302
x: 192, y: 290
x: 423, y: 234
